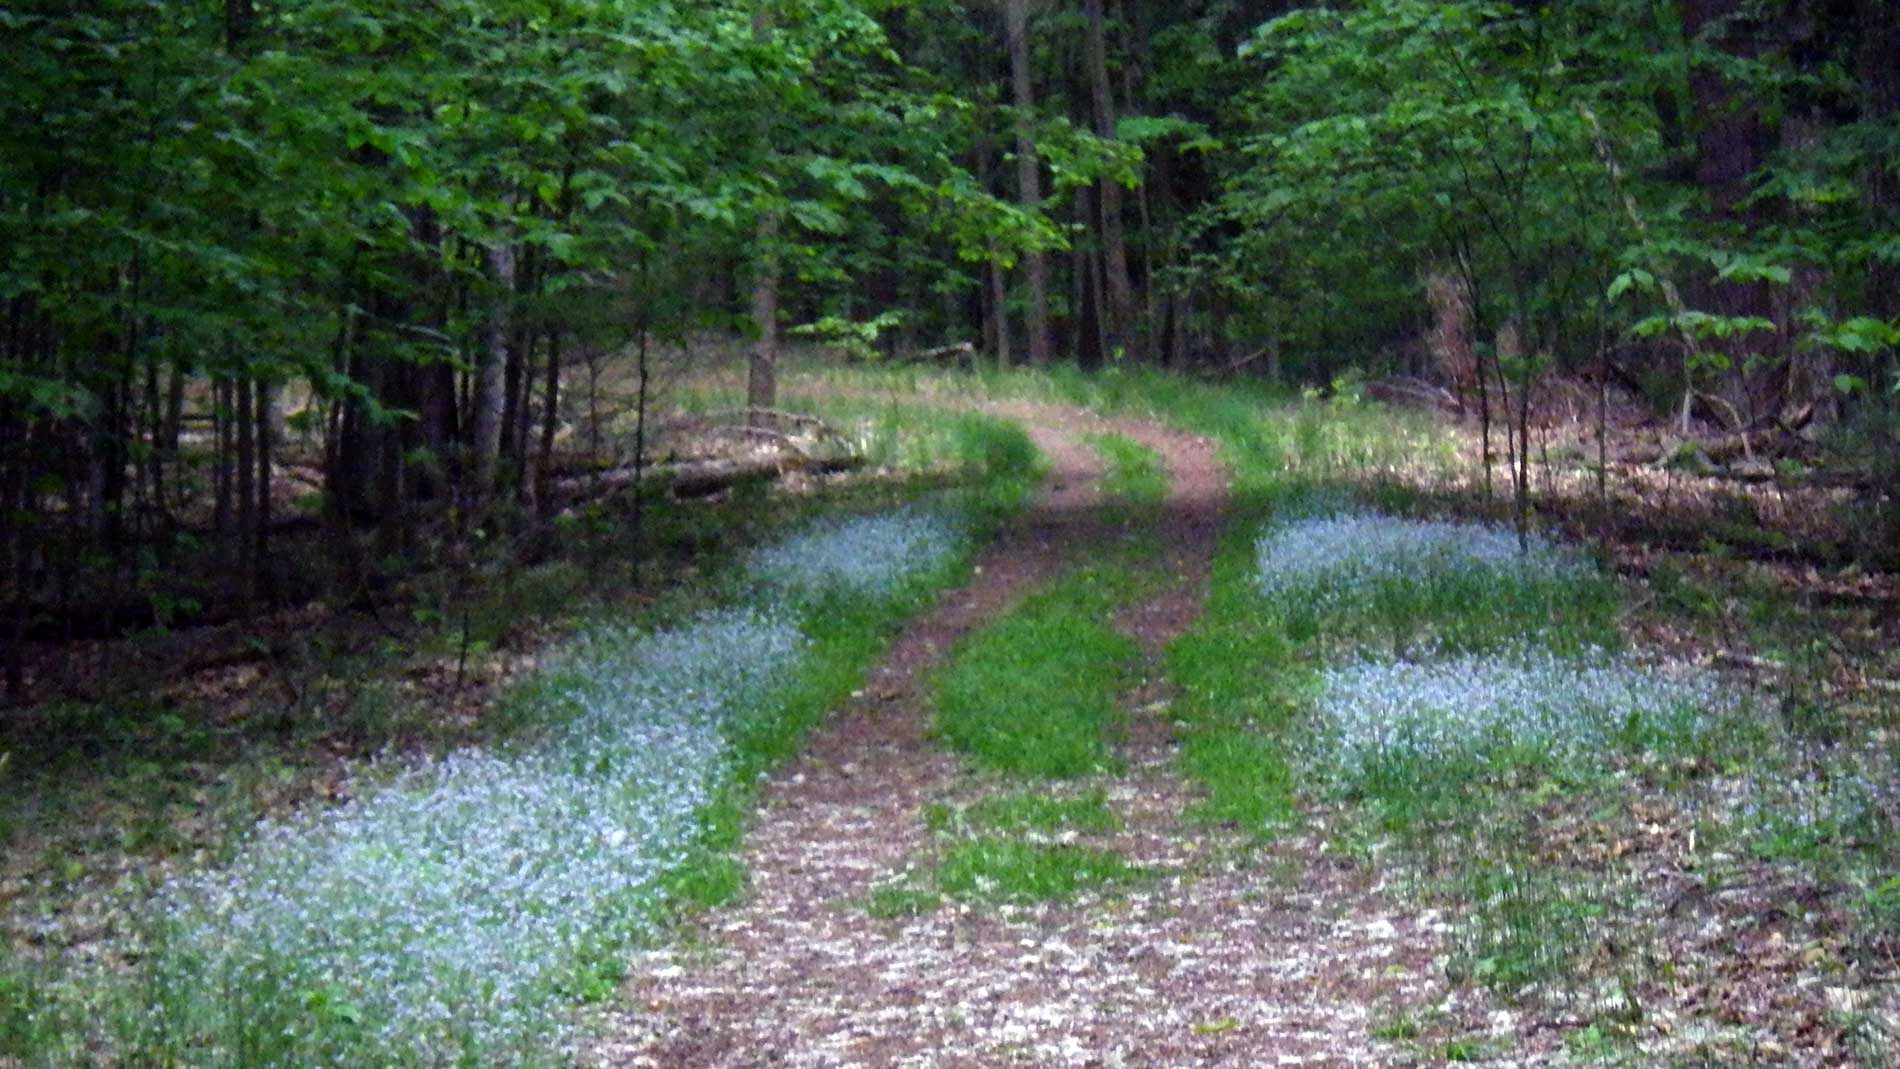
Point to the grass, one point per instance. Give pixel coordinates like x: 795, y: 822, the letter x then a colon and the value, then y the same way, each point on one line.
x: 1240, y: 682
x: 1134, y: 487
x: 1530, y: 924
x: 1242, y: 677
x: 1008, y: 870
x: 1135, y: 472
x: 998, y: 869
x: 892, y: 903
x: 1023, y: 811
x: 1034, y: 694
x: 892, y: 431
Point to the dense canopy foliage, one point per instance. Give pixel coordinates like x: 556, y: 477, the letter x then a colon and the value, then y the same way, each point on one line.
x: 378, y: 235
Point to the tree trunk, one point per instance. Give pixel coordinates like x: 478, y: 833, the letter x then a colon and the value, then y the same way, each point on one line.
x: 762, y: 374
x: 267, y: 437
x: 644, y: 366
x: 174, y: 412
x: 1096, y: 319
x: 520, y: 432
x: 1729, y: 150
x: 999, y: 313
x: 996, y: 323
x: 490, y: 375
x: 221, y: 454
x: 550, y: 423
x: 149, y: 491
x: 1119, y: 292
x: 239, y: 17
x: 246, y: 413
x: 15, y: 496
x: 1028, y: 180
x: 110, y: 449
x: 1171, y: 327
x: 1878, y: 30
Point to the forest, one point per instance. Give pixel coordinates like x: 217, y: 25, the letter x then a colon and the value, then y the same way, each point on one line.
x: 594, y: 412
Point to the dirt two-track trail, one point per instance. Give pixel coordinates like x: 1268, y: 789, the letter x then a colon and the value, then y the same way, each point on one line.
x: 1239, y: 954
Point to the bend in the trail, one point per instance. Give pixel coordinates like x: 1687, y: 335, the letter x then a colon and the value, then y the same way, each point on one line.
x: 1236, y: 955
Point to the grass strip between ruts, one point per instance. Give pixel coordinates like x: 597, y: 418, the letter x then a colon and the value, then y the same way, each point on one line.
x: 1035, y: 694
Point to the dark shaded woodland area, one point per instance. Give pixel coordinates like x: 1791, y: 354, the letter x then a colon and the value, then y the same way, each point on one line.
x: 297, y: 292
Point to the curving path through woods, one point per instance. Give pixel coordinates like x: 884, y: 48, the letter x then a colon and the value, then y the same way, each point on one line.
x: 1239, y: 954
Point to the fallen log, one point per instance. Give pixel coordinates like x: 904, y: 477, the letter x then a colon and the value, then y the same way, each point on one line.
x: 698, y: 478
x: 782, y: 428
x: 754, y: 415
x: 701, y: 480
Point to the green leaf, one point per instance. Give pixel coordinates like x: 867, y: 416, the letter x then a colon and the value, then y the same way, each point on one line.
x: 1651, y: 326
x: 1747, y: 269
x: 1636, y: 278
x: 1149, y: 129
x: 815, y: 216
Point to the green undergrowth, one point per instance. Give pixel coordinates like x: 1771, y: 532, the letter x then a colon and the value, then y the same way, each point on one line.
x: 1241, y: 680
x: 1135, y: 485
x: 1036, y: 692
x: 1001, y: 869
x: 1135, y: 472
x: 1265, y: 432
x: 53, y: 1017
x: 1023, y: 811
x: 884, y: 427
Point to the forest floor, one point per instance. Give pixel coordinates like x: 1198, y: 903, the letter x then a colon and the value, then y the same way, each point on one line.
x: 1713, y: 912
x: 1230, y: 950
x: 909, y: 903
